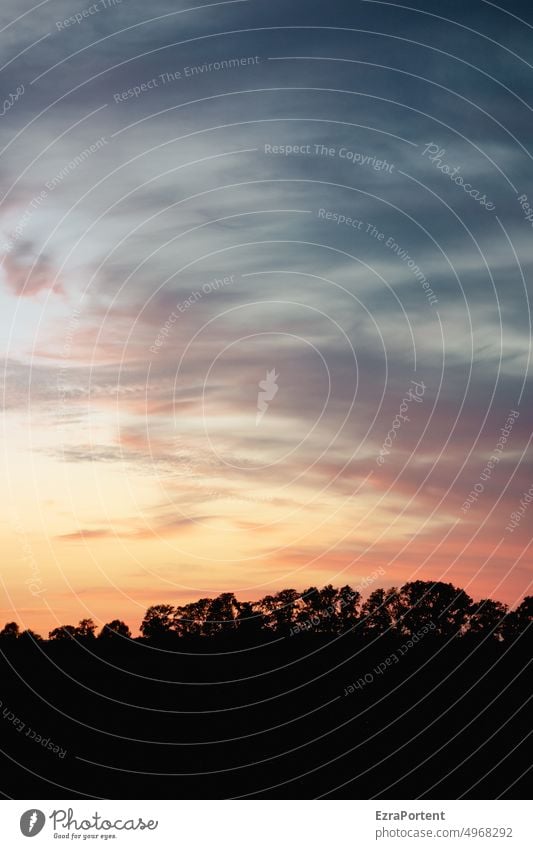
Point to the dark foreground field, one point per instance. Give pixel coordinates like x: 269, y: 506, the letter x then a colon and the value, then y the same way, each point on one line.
x: 212, y: 718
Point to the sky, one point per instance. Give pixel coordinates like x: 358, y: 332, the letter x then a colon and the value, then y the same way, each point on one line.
x: 264, y: 300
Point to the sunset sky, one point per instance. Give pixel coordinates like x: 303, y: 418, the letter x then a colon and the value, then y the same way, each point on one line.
x: 173, y: 189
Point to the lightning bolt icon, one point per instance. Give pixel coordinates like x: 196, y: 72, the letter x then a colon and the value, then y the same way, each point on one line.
x: 269, y: 389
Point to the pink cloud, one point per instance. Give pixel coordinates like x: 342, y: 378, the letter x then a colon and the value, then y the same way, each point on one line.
x: 27, y: 279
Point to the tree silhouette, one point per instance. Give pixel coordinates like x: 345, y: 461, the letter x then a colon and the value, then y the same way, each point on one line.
x: 349, y: 602
x: 222, y: 615
x: 115, y: 628
x: 313, y: 608
x: 327, y: 611
x: 519, y: 620
x: 380, y: 611
x: 431, y: 605
x: 10, y: 631
x: 423, y: 603
x: 64, y: 632
x: 280, y: 610
x: 86, y: 630
x: 83, y: 632
x: 524, y: 612
x: 190, y: 619
x: 331, y: 654
x: 486, y: 616
x: 30, y: 636
x: 157, y: 621
x: 250, y: 621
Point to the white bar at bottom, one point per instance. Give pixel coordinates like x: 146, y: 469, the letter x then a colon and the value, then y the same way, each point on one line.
x: 262, y: 824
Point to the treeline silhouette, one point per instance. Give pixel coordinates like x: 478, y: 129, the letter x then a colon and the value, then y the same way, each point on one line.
x: 398, y: 612
x: 412, y: 692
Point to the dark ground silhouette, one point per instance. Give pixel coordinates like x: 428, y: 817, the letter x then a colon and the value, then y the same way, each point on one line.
x: 418, y: 692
